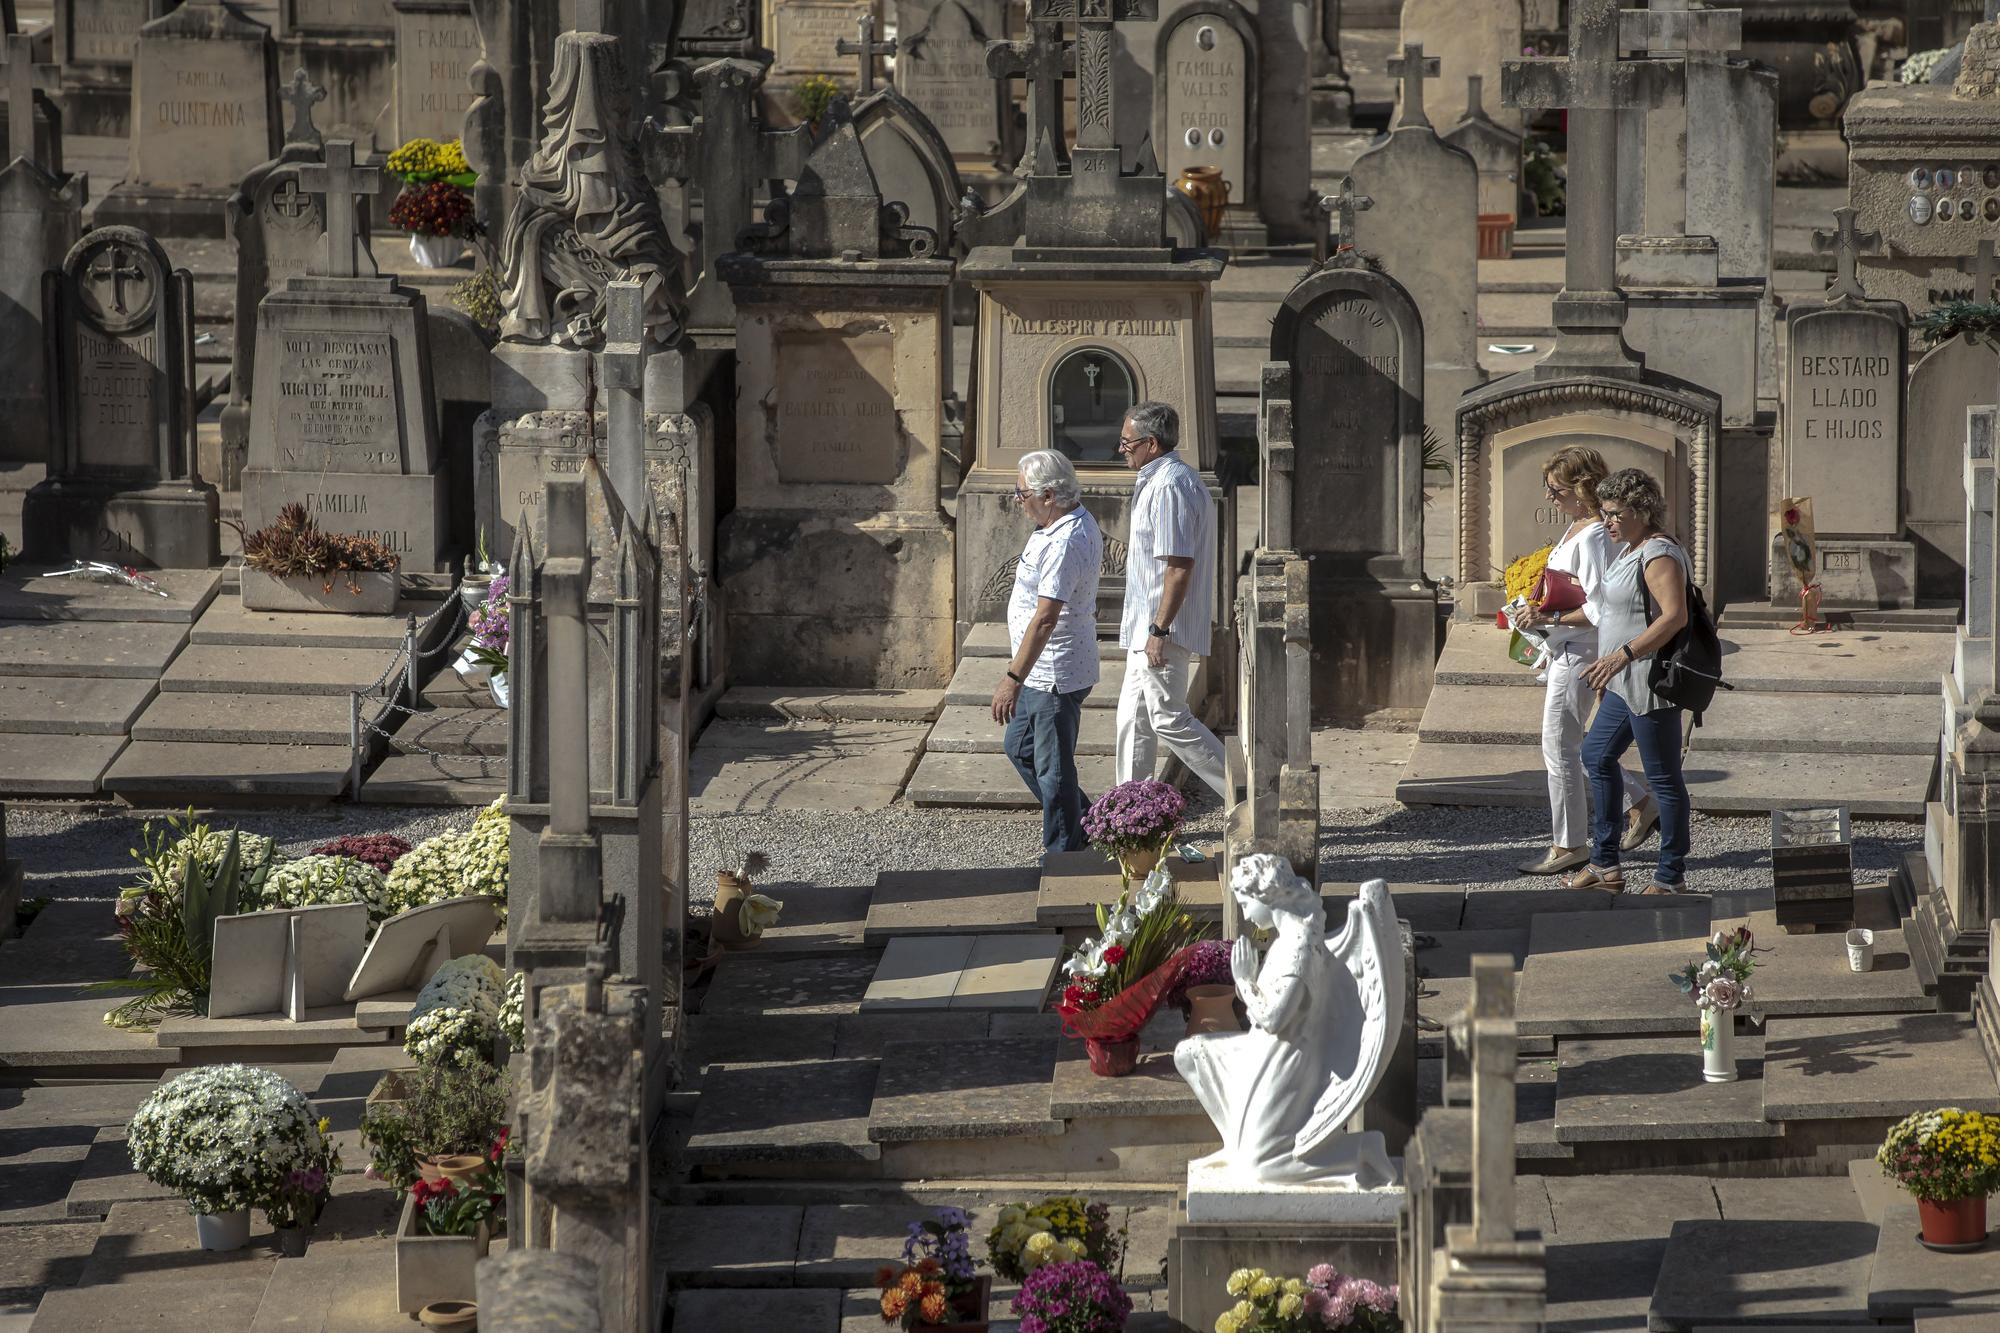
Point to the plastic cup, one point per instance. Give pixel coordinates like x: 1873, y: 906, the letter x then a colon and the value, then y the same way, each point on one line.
x: 1860, y: 949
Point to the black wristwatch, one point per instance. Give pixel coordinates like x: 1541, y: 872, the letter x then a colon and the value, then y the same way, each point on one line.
x: 1016, y: 679
x: 1158, y: 632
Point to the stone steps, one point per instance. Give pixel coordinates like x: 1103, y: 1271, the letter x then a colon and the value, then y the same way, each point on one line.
x: 245, y: 719
x: 173, y: 770
x: 419, y: 779
x: 96, y: 649
x: 239, y: 669
x: 966, y: 729
x: 989, y: 782
x: 777, y: 704
x: 72, y: 705
x: 26, y: 595
x: 226, y: 624
x: 456, y: 731
x: 1927, y: 619
x: 973, y: 683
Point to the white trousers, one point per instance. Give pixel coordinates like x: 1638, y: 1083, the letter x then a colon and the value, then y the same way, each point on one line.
x: 1152, y: 710
x: 1566, y: 712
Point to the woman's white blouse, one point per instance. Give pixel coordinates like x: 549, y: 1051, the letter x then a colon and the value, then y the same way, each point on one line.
x: 1584, y: 556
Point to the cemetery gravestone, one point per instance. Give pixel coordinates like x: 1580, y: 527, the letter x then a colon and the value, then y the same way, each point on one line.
x: 1469, y: 38
x: 205, y: 114
x: 804, y: 37
x: 343, y: 417
x: 941, y: 67
x: 348, y: 48
x: 94, y: 43
x: 436, y: 44
x: 1496, y: 151
x: 33, y: 84
x: 122, y: 484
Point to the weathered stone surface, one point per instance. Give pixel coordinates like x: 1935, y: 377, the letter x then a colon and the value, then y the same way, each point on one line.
x: 803, y: 1310
x: 47, y: 1018
x: 24, y: 595
x: 1515, y: 909
x: 1879, y: 1065
x: 1844, y: 426
x: 245, y: 719
x: 1154, y: 1088
x: 730, y: 1245
x: 1652, y: 1088
x: 1762, y: 1272
x: 818, y: 918
x: 163, y: 767
x: 917, y: 972
x: 36, y: 1258
x: 1808, y: 974
x: 1578, y: 979
x: 997, y: 1088
x: 963, y: 729
x: 1907, y: 1277
x: 770, y: 703
x: 741, y: 768
x: 952, y: 902
x: 1073, y: 885
x: 750, y: 984
x: 1605, y: 1241
x: 439, y: 44
x: 972, y: 684
x: 88, y: 649
x: 841, y: 1245
x: 70, y: 705
x: 989, y: 782
x: 238, y: 670
x: 809, y: 1112
x: 227, y: 624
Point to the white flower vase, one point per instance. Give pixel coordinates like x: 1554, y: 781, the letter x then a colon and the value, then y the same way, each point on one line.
x: 473, y: 671
x: 1718, y: 1045
x: 436, y: 251
x: 223, y: 1231
x: 502, y: 693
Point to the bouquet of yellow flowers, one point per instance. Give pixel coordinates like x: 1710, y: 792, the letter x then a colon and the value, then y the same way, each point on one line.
x: 1060, y: 1229
x: 423, y: 160
x: 1526, y: 570
x: 1945, y: 1154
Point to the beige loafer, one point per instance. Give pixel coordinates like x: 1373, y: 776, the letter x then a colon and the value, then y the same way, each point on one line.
x: 1555, y: 861
x: 1640, y: 821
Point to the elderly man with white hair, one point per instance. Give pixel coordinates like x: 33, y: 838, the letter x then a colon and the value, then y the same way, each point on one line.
x: 1052, y: 624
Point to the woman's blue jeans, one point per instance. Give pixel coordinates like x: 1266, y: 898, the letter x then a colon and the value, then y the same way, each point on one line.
x: 1659, y: 737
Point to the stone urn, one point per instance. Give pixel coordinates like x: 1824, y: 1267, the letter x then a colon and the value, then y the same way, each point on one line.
x: 1210, y: 193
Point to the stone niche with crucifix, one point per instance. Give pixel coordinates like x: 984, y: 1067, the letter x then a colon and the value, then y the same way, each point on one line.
x: 342, y: 417
x: 1089, y: 311
x: 41, y: 216
x: 123, y: 484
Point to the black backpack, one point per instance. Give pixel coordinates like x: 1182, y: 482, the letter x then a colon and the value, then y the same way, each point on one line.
x: 1687, y: 672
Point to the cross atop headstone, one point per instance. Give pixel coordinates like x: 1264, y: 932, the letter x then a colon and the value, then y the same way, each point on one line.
x: 24, y: 80
x: 1847, y: 242
x: 341, y: 181
x: 867, y: 48
x: 1096, y: 151
x: 1413, y: 67
x: 301, y: 93
x: 1983, y: 268
x: 114, y: 268
x: 1043, y: 58
x: 1342, y: 207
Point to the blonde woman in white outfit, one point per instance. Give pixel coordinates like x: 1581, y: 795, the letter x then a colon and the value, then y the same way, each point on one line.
x: 1585, y: 551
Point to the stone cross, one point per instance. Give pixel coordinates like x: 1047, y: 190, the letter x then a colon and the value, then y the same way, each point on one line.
x: 340, y: 181
x: 1342, y: 208
x: 867, y: 48
x: 1689, y: 33
x: 1096, y: 148
x: 1593, y: 84
x: 1044, y: 58
x: 114, y: 267
x: 624, y: 359
x: 24, y: 80
x: 1413, y: 67
x: 1983, y: 269
x: 1847, y: 242
x: 1495, y: 1061
x: 301, y: 93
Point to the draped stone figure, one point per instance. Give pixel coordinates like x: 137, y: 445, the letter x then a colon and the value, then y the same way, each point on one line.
x: 585, y: 212
x: 1322, y: 1014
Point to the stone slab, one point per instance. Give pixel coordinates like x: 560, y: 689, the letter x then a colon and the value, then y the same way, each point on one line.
x: 1218, y: 1196
x: 750, y: 983
x: 1516, y: 909
x: 989, y: 782
x: 730, y: 1245
x: 952, y: 902
x: 1154, y: 1088
x: 744, y: 767
x: 98, y: 649
x: 963, y: 729
x: 1579, y: 976
x: 48, y: 1020
x: 1906, y: 1277
x: 721, y: 1038
x: 420, y: 779
x: 1651, y: 1089
x: 72, y: 766
x: 812, y: 1111
x: 233, y: 669
x: 917, y: 972
x: 172, y: 768
x: 1073, y: 884
x: 1719, y: 781
x: 1448, y: 953
x: 71, y: 705
x: 1759, y: 1272
x: 973, y: 683
x: 1873, y: 1187
x: 818, y: 918
x: 1007, y: 972
x: 338, y: 1285
x: 1606, y: 1236
x: 1429, y: 908
x: 26, y: 595
x: 996, y: 1088
x: 1808, y: 974
x: 226, y: 624
x: 767, y: 703
x: 807, y: 1311
x: 150, y: 1246
x: 246, y: 719
x: 1884, y: 1065
x: 34, y: 1259
x: 331, y: 1025
x: 469, y: 732
x: 1535, y: 1110
x: 841, y: 1245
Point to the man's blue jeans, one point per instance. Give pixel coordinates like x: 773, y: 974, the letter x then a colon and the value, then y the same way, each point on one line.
x: 1659, y: 737
x: 1041, y: 740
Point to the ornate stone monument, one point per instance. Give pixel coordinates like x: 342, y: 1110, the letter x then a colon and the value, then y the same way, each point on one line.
x: 94, y: 44
x: 941, y: 67
x: 348, y: 48
x: 123, y: 482
x: 436, y: 44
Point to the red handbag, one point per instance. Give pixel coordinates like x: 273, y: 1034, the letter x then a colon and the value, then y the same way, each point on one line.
x: 1558, y: 592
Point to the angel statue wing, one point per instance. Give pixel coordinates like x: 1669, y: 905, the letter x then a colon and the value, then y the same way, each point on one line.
x: 1370, y: 950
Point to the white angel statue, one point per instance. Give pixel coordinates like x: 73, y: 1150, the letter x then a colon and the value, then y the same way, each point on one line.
x: 1323, y: 1018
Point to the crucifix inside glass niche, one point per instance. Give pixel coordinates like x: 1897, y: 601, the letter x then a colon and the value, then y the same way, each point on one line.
x: 1090, y: 392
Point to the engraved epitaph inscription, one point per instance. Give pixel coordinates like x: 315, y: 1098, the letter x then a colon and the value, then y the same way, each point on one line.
x: 1204, y: 87
x: 805, y: 33
x: 119, y: 397
x: 836, y: 417
x: 435, y: 52
x: 200, y: 118
x: 336, y: 409
x: 1347, y: 406
x: 944, y: 70
x: 1525, y: 518
x: 1843, y: 420
x: 103, y: 32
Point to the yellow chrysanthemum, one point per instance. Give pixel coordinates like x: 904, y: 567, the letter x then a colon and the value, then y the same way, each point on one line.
x: 1244, y: 1312
x: 1239, y: 1282
x: 1524, y: 570
x: 1264, y: 1288
x: 1226, y: 1323
x: 1291, y: 1306
x: 1295, y: 1286
x: 1041, y: 1243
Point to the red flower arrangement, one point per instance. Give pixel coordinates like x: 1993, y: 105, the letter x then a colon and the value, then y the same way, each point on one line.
x: 437, y: 208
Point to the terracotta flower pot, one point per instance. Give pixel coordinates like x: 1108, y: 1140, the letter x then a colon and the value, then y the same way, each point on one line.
x: 1112, y: 1058
x: 457, y: 1316
x: 725, y: 919
x: 1960, y: 1223
x: 1211, y: 1009
x: 451, y: 1166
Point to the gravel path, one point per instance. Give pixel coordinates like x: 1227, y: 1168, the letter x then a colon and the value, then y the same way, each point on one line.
x: 82, y: 851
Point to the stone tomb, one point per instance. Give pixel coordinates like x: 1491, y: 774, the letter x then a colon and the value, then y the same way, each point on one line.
x: 941, y: 67
x: 436, y: 44
x: 123, y: 485
x: 347, y: 47
x: 342, y: 417
x: 1343, y: 396
x: 1947, y: 379
x: 205, y: 113
x: 94, y: 43
x: 803, y: 36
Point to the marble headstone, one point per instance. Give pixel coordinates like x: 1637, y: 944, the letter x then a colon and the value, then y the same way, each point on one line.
x: 1468, y: 37
x: 802, y: 35
x: 1204, y: 81
x: 941, y: 66
x: 348, y: 47
x: 1844, y: 419
x: 436, y: 45
x: 94, y: 44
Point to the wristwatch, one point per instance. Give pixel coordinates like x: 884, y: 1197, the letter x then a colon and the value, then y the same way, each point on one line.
x: 1016, y: 679
x: 1158, y: 631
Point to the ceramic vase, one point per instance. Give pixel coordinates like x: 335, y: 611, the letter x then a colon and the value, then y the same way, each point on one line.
x: 451, y: 1166
x: 436, y: 251
x: 223, y: 1231
x: 725, y: 921
x: 1718, y: 1045
x: 1211, y: 1009
x: 1138, y: 865
x: 1112, y: 1059
x: 502, y: 691
x: 457, y: 1316
x: 1210, y: 193
x: 1957, y: 1225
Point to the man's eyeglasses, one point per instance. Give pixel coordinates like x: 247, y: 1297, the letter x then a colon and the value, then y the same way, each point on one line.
x: 1126, y: 446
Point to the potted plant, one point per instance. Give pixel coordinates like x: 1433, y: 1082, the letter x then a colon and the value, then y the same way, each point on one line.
x: 293, y: 565
x: 1134, y: 821
x: 1117, y: 978
x: 491, y: 626
x: 1060, y: 1229
x: 445, y: 1110
x: 433, y: 205
x: 226, y: 1138
x: 1323, y: 1299
x: 379, y: 850
x: 457, y: 1014
x: 441, y: 1236
x: 1949, y: 1159
x: 1719, y: 986
x: 739, y: 917
x: 936, y: 1286
x: 1206, y: 991
x: 814, y: 95
x: 1073, y: 1297
x: 169, y: 929
x: 301, y: 1199
x: 457, y: 863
